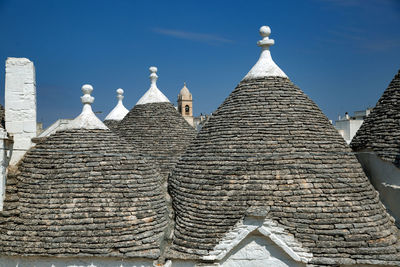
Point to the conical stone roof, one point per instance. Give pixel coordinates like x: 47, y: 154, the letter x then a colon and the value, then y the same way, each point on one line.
x: 380, y: 131
x: 83, y: 192
x: 269, y: 147
x: 157, y: 129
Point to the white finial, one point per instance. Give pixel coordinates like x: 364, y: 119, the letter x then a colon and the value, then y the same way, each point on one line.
x: 153, y: 76
x: 120, y: 93
x: 87, y: 89
x: 265, y: 31
x: 265, y: 66
x: 119, y: 111
x: 153, y: 95
x: 87, y: 119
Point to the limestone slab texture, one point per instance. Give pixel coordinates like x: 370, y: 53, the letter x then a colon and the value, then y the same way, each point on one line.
x: 72, y: 262
x: 20, y: 105
x: 269, y: 151
x: 83, y: 193
x: 269, y: 145
x: 380, y: 131
x: 157, y: 130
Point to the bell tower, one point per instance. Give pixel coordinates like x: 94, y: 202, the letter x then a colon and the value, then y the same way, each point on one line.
x: 185, y: 104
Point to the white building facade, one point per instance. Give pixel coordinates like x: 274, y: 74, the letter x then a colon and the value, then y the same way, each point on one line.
x: 349, y: 125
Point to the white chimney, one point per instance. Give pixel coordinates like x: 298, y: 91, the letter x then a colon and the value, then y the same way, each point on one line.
x: 20, y: 105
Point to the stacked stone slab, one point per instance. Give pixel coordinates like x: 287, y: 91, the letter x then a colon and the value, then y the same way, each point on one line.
x: 111, y: 124
x: 269, y: 147
x: 83, y: 192
x: 380, y: 131
x: 156, y: 128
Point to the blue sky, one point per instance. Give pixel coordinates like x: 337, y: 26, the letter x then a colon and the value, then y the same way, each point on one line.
x: 341, y: 53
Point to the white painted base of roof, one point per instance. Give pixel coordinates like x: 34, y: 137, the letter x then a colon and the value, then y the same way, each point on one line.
x: 118, y: 113
x: 153, y: 95
x: 86, y: 120
x: 264, y: 67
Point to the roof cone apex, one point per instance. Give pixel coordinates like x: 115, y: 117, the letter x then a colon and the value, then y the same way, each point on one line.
x: 119, y: 111
x: 87, y: 119
x: 153, y: 95
x: 265, y: 66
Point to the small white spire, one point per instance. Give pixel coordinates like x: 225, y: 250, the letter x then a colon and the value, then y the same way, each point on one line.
x: 265, y: 66
x: 153, y: 95
x: 87, y: 119
x: 119, y: 111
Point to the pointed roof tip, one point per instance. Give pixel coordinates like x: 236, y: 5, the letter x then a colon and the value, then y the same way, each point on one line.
x: 265, y: 66
x: 153, y: 95
x: 87, y: 119
x: 119, y: 111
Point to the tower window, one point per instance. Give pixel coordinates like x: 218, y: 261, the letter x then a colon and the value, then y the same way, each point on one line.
x: 187, y: 108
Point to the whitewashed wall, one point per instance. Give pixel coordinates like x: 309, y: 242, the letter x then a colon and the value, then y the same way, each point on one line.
x: 258, y: 251
x: 20, y: 105
x: 255, y: 250
x: 385, y: 177
x: 348, y: 128
x: 3, y: 166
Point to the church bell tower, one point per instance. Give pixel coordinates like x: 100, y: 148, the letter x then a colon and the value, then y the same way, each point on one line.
x: 185, y: 104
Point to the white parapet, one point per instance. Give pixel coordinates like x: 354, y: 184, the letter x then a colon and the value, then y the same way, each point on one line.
x: 20, y: 105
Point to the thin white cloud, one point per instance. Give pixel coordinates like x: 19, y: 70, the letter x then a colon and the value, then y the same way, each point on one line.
x: 193, y: 36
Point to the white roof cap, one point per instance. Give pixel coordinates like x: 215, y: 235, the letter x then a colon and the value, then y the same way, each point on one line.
x: 153, y: 95
x: 119, y: 111
x: 265, y: 66
x: 87, y: 119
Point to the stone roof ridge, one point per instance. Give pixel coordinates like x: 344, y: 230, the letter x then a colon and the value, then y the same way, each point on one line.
x: 119, y: 111
x: 265, y: 66
x: 153, y: 95
x: 184, y: 91
x: 87, y: 119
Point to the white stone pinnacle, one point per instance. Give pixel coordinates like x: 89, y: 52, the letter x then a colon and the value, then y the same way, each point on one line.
x: 153, y: 95
x: 265, y: 66
x: 87, y: 119
x: 119, y: 111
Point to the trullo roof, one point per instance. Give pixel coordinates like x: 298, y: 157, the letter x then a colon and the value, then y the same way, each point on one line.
x: 380, y: 131
x: 157, y: 129
x: 83, y: 192
x: 269, y: 147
